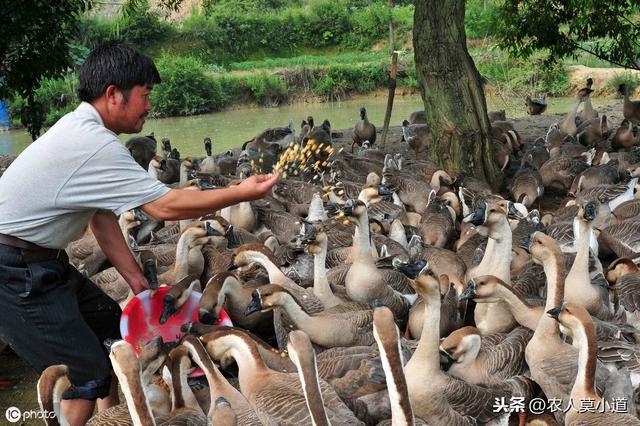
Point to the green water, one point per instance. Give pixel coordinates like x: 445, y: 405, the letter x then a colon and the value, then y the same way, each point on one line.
x: 231, y: 128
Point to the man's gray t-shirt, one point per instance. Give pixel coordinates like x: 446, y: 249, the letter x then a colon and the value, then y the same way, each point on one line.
x: 51, y: 191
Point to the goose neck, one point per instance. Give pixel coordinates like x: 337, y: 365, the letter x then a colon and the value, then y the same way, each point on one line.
x: 275, y: 274
x: 364, y: 243
x: 525, y: 314
x: 321, y: 285
x: 137, y: 402
x: 584, y: 386
x: 427, y: 353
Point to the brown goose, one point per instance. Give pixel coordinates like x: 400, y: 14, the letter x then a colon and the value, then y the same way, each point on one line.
x: 626, y: 136
x: 578, y: 320
x: 363, y: 130
x: 552, y: 362
x: 219, y: 387
x: 184, y: 406
x: 417, y: 136
x: 492, y: 361
x: 627, y: 210
x: 527, y: 185
x: 277, y: 398
x: 536, y: 106
x: 324, y: 329
x: 494, y: 317
x: 52, y: 384
x: 388, y: 341
x: 624, y: 275
x: 630, y: 109
x: 623, y: 238
x: 435, y: 396
x: 614, y: 195
x: 560, y: 172
x: 568, y: 125
x: 438, y: 224
x: 603, y: 174
x: 578, y: 287
x: 593, y: 132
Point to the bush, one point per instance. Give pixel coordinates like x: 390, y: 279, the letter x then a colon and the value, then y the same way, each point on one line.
x: 478, y: 21
x: 631, y: 80
x: 185, y: 88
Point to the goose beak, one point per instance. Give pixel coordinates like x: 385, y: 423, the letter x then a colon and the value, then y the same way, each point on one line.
x: 108, y: 343
x: 211, y: 232
x: 446, y: 361
x: 411, y: 270
x: 140, y: 215
x: 554, y: 313
x: 254, y: 306
x: 477, y: 218
x: 470, y: 292
x: 384, y: 191
x: 347, y: 209
x: 163, y: 165
x: 207, y: 317
x: 514, y: 213
x: 168, y: 308
x: 590, y: 211
x: 525, y: 243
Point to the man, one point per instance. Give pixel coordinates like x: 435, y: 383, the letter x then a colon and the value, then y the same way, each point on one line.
x: 79, y: 174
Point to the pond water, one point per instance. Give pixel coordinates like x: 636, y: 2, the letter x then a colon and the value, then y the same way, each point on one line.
x: 231, y: 128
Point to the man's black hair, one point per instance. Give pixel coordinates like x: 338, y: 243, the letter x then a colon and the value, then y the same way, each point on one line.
x: 115, y: 63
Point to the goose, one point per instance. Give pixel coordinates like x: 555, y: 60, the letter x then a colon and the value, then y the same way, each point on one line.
x: 528, y: 310
x: 587, y: 113
x: 604, y: 174
x: 491, y: 361
x: 151, y: 360
x: 627, y: 210
x: 593, y: 132
x: 85, y: 253
x: 186, y: 166
x: 560, y: 172
x: 497, y: 115
x: 578, y: 287
x: 223, y: 414
x: 52, y: 384
x: 277, y: 398
x: 494, y: 317
x: 568, y: 125
x: 303, y: 356
x: 369, y: 152
x: 624, y: 275
x: 614, y: 195
x: 225, y: 291
x: 578, y: 320
x: 418, y: 117
x: 364, y: 281
x: 184, y: 406
x: 630, y: 109
x: 438, y: 223
x: 321, y: 286
x: 436, y: 397
x: 527, y: 186
x: 142, y: 148
x: 551, y: 361
x: 412, y: 192
x: 178, y: 296
x: 536, y: 106
x: 622, y: 238
x: 385, y: 332
x: 363, y: 130
x: 324, y: 329
x: 209, y: 165
x: 219, y: 387
x: 626, y: 136
x: 417, y: 136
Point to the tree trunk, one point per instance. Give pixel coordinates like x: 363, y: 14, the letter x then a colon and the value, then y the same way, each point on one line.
x: 454, y: 100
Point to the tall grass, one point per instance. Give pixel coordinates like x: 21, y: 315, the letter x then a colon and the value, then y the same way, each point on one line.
x: 309, y: 60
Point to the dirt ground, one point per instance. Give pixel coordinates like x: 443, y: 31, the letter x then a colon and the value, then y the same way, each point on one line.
x: 23, y: 393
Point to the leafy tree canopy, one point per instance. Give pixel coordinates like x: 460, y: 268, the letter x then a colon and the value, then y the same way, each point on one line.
x: 607, y: 29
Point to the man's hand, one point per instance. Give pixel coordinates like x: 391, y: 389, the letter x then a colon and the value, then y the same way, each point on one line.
x: 257, y: 186
x: 138, y: 285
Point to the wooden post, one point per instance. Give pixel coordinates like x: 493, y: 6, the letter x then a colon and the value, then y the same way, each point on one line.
x: 392, y: 79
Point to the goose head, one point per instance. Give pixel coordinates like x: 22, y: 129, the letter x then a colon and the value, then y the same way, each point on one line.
x: 541, y: 247
x: 573, y: 319
x: 587, y: 211
x: 462, y: 346
x: 427, y: 284
x: 319, y: 244
x: 619, y: 268
x: 354, y: 208
x: 178, y: 296
x: 266, y: 298
x: 153, y: 354
x: 493, y: 214
x: 52, y: 384
x: 207, y: 146
x: 221, y: 343
x: 166, y: 145
x: 451, y: 200
x: 411, y: 270
x: 484, y: 289
x: 208, y: 306
x: 247, y: 254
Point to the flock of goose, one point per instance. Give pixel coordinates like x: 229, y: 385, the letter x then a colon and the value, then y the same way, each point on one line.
x: 386, y: 291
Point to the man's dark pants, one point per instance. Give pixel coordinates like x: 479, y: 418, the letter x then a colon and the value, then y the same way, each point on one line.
x: 51, y: 314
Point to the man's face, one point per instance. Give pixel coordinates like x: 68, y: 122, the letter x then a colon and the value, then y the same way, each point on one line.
x: 133, y: 109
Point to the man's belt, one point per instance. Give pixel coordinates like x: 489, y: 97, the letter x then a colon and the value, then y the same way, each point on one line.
x: 32, y: 252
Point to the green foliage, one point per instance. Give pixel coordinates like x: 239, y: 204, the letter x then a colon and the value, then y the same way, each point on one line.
x: 34, y: 41
x: 309, y: 60
x: 510, y: 74
x: 478, y: 21
x: 631, y: 80
x: 602, y: 28
x: 185, y: 88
